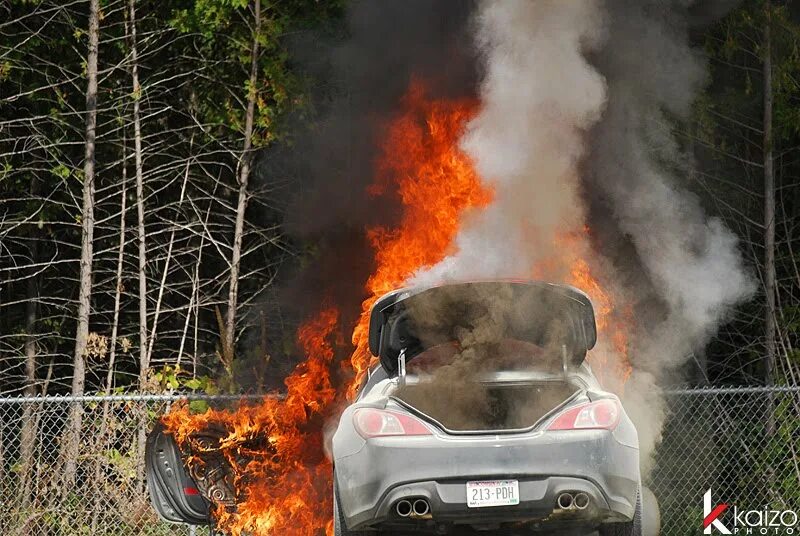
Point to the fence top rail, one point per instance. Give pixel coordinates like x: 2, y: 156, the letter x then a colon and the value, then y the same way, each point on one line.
x: 175, y: 397
x: 699, y: 391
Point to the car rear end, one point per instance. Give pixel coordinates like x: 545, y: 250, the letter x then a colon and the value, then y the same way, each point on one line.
x: 401, y: 465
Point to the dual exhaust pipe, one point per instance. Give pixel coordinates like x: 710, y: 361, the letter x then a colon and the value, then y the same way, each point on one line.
x: 417, y: 508
x: 420, y: 507
x: 568, y: 501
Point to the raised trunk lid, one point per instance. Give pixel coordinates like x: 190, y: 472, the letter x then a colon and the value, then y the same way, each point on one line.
x: 408, y: 322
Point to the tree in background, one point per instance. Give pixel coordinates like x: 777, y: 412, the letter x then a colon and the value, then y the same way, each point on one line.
x: 70, y: 444
x: 747, y: 140
x: 188, y: 93
x: 106, y: 285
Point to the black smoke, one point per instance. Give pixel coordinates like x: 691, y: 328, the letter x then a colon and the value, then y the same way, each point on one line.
x: 357, y: 77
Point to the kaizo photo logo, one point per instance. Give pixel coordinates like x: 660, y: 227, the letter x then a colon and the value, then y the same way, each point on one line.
x: 763, y: 521
x: 711, y: 516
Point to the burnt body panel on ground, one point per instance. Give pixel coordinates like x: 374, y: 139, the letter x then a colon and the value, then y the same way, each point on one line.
x: 173, y: 492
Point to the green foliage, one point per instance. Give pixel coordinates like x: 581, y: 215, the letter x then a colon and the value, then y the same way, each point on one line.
x: 777, y: 461
x: 786, y: 73
x: 175, y: 378
x: 222, y: 31
x: 5, y: 70
x: 206, y: 16
x: 198, y: 406
x: 61, y: 171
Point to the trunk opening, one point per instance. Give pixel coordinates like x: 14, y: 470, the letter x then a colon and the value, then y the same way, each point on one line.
x: 474, y: 406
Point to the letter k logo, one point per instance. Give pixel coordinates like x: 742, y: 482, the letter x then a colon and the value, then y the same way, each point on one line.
x: 711, y: 517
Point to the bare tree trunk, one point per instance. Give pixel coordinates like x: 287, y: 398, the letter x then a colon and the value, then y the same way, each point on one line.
x: 144, y: 348
x: 102, y: 440
x: 2, y: 455
x: 188, y: 319
x: 70, y: 447
x: 38, y: 482
x: 770, y: 314
x: 144, y: 357
x: 244, y: 176
x: 769, y: 210
x: 123, y: 202
x: 165, y: 272
x: 28, y: 432
x: 191, y: 298
x: 196, y: 289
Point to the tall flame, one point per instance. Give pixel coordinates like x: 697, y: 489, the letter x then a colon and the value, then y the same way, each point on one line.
x: 436, y: 183
x: 275, y: 448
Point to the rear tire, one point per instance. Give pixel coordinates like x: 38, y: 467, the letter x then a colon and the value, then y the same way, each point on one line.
x: 631, y: 528
x: 651, y: 513
x: 339, y: 525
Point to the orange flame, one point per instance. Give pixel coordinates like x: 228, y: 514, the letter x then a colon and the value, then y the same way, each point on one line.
x: 436, y: 183
x: 275, y: 448
x: 613, y: 325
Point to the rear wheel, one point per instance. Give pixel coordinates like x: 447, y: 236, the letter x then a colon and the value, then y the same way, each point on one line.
x: 339, y: 526
x: 631, y: 528
x: 651, y: 513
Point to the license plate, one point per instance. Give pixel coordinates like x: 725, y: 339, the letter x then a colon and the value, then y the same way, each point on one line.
x: 492, y: 493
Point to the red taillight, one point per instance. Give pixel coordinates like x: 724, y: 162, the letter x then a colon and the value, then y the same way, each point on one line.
x: 190, y: 491
x: 603, y: 414
x: 371, y: 422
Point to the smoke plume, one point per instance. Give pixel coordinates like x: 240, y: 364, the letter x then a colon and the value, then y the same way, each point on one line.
x: 687, y: 263
x: 578, y: 99
x: 366, y: 72
x: 497, y: 326
x: 539, y: 95
x: 578, y: 102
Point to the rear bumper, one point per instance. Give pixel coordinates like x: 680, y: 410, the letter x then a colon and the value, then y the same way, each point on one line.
x: 538, y: 497
x: 384, y: 471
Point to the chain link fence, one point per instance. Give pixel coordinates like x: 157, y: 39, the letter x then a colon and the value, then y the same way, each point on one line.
x: 109, y: 496
x: 740, y: 443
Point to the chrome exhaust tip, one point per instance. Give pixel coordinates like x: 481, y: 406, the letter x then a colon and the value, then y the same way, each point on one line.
x: 581, y: 501
x: 403, y: 508
x: 565, y: 501
x: 421, y: 507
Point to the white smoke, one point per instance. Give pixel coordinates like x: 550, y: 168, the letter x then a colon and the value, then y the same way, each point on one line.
x: 691, y: 261
x: 539, y: 95
x: 563, y: 140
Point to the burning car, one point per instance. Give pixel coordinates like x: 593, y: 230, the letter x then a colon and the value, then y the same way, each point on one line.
x: 482, y: 412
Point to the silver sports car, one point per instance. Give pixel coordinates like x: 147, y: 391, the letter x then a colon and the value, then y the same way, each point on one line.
x: 483, y: 415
